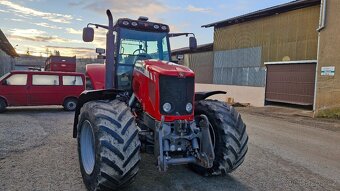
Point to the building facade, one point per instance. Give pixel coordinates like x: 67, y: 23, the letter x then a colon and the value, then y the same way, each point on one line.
x: 327, y: 94
x: 7, y: 55
x: 289, y: 50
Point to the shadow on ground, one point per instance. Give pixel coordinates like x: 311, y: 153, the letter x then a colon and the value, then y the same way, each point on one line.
x: 179, y: 178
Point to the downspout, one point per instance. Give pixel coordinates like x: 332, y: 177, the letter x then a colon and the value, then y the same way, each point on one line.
x: 322, y: 25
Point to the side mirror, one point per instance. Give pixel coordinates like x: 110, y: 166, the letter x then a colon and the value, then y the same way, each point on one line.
x: 100, y: 51
x: 88, y: 34
x: 192, y: 43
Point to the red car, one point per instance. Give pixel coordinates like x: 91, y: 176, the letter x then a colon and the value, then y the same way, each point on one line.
x: 33, y: 88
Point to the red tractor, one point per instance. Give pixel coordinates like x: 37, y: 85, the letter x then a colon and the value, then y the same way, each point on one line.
x: 149, y: 104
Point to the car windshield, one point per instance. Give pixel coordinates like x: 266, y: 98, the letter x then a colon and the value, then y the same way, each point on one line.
x: 4, y: 76
x: 140, y: 45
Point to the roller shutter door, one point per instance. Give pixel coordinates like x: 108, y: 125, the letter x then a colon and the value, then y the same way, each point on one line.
x: 292, y: 83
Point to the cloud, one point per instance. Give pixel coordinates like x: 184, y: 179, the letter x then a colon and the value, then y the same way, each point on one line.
x: 37, y: 36
x: 42, y: 24
x: 64, y: 50
x: 128, y: 7
x: 74, y: 31
x: 71, y: 51
x: 3, y: 11
x: 17, y: 20
x: 25, y: 11
x: 192, y: 8
x: 174, y: 28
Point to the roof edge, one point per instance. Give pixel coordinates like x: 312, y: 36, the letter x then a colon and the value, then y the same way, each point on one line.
x: 200, y: 48
x: 6, y: 46
x: 286, y: 7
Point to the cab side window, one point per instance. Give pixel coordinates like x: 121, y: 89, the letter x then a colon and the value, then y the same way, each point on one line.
x: 17, y: 80
x: 45, y: 80
x: 72, y: 81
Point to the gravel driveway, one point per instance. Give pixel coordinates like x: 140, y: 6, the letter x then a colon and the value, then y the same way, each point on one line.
x: 37, y: 152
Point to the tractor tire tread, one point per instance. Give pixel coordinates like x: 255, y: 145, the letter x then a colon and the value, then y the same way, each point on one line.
x: 117, y: 149
x: 231, y: 137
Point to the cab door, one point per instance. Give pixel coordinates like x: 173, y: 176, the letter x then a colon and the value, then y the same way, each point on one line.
x: 14, y: 88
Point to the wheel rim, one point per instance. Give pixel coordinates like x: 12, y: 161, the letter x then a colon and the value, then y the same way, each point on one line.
x: 71, y: 105
x: 87, y: 147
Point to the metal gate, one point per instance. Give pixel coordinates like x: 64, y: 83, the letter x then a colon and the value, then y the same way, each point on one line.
x: 291, y: 82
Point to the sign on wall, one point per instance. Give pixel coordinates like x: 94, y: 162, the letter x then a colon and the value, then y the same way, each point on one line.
x: 328, y: 71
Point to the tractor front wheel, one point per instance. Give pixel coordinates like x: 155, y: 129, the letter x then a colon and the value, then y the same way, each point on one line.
x: 108, y: 145
x: 229, y: 137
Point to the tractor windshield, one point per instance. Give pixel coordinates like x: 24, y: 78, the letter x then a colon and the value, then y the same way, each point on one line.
x: 140, y: 45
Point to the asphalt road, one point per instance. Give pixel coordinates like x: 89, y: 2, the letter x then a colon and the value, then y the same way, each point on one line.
x: 37, y: 152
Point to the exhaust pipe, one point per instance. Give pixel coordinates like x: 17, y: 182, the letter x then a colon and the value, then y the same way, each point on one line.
x: 110, y: 62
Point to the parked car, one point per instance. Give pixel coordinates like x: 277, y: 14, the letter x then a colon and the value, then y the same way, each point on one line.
x: 34, y: 88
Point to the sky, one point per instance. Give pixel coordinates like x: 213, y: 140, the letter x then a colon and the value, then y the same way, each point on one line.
x: 41, y: 26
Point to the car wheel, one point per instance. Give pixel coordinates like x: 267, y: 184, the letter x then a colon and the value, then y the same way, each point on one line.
x: 70, y: 104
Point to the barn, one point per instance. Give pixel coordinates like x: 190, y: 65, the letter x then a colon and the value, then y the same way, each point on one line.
x: 283, y: 54
x: 7, y: 55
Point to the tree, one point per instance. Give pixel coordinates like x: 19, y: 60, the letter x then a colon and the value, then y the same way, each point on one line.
x: 56, y: 53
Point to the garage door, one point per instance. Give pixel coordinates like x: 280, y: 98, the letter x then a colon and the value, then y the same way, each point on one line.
x: 291, y: 83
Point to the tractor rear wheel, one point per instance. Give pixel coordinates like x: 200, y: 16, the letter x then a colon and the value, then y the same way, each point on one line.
x: 108, y: 145
x: 229, y: 137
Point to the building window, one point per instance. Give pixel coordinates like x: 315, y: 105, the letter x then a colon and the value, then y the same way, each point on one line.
x: 45, y: 80
x: 17, y: 80
x: 72, y: 81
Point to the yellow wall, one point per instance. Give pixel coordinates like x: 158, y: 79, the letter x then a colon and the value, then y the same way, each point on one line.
x: 290, y: 35
x: 202, y: 64
x: 328, y: 88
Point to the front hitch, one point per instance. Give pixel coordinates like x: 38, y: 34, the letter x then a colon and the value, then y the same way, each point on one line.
x: 207, y: 154
x: 193, y: 142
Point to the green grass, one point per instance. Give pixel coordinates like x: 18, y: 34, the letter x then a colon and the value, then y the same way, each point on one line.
x: 330, y: 113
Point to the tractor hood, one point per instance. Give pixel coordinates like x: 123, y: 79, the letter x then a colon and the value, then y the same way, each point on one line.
x: 167, y: 68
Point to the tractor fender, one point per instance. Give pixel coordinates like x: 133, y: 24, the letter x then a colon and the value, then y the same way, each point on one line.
x: 92, y: 95
x: 96, y: 74
x: 204, y: 95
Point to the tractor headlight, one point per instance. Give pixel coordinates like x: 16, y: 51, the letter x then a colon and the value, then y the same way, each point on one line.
x: 164, y: 28
x: 134, y: 24
x: 156, y: 26
x: 188, y: 107
x: 167, y: 107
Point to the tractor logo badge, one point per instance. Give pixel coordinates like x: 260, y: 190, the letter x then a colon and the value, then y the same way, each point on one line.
x: 181, y: 75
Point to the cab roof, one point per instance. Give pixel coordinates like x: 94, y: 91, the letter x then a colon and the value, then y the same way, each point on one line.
x: 142, y: 25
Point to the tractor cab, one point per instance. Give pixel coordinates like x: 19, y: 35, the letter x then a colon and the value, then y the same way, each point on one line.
x: 135, y: 40
x: 138, y: 40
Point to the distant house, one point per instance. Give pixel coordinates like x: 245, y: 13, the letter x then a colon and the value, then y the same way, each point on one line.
x: 7, y: 55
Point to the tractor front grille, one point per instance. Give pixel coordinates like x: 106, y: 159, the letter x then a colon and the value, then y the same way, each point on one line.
x: 176, y: 91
